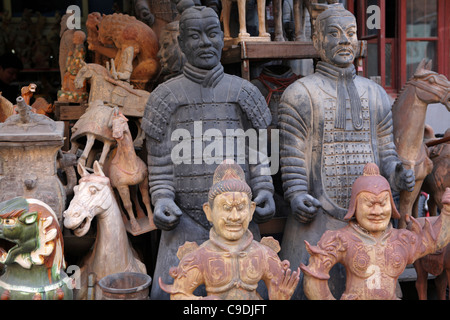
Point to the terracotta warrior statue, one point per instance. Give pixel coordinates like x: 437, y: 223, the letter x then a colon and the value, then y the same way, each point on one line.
x: 331, y: 124
x: 231, y: 263
x: 372, y: 251
x: 181, y: 111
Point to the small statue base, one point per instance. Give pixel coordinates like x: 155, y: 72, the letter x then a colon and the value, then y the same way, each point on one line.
x: 145, y: 225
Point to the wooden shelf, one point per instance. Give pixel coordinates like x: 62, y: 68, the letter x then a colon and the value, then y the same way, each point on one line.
x: 244, y: 52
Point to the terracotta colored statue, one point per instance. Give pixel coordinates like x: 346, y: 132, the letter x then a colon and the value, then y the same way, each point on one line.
x: 439, y: 178
x: 40, y: 105
x: 112, y: 252
x: 331, y: 124
x: 231, y: 263
x: 126, y: 172
x: 66, y: 44
x: 437, y: 264
x: 426, y: 87
x: 115, y: 92
x: 6, y: 108
x: 131, y: 43
x: 372, y: 251
x: 202, y: 98
x: 69, y: 92
x: 35, y: 263
x: 94, y: 124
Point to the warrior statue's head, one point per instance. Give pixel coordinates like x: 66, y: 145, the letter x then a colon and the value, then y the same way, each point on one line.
x: 201, y: 37
x: 334, y: 35
x: 230, y: 207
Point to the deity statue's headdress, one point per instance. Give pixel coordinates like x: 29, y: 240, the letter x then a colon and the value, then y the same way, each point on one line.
x: 371, y: 181
x: 228, y: 177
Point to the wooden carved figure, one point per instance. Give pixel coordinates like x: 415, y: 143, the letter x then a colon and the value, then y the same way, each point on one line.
x: 243, y: 34
x: 126, y: 171
x: 35, y: 258
x: 131, y: 43
x: 437, y: 264
x: 299, y: 17
x: 425, y: 87
x: 94, y: 125
x: 111, y: 252
x: 104, y: 87
x: 231, y: 263
x: 439, y: 179
x: 331, y: 124
x: 75, y: 59
x: 6, y: 108
x: 373, y: 252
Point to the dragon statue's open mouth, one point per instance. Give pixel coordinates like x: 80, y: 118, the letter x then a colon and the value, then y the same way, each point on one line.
x: 5, y: 246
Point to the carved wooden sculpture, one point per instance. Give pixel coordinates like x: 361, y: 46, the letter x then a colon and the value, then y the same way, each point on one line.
x: 66, y: 44
x: 126, y: 171
x: 243, y: 34
x: 425, y: 87
x: 94, y: 125
x: 170, y: 55
x: 437, y: 264
x: 35, y: 260
x: 439, y: 178
x: 111, y: 91
x: 6, y: 108
x: 231, y: 263
x: 331, y: 123
x: 75, y: 61
x: 112, y: 252
x: 299, y: 18
x: 131, y: 43
x: 372, y: 251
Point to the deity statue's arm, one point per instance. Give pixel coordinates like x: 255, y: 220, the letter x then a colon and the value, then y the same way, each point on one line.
x: 282, y: 281
x: 294, y: 121
x: 182, y: 287
x: 328, y: 252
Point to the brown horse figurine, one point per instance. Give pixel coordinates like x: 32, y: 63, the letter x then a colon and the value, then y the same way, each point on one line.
x: 408, y: 114
x: 439, y: 179
x: 126, y: 170
x: 437, y: 264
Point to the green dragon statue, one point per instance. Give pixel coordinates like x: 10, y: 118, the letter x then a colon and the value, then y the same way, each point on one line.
x: 34, y: 265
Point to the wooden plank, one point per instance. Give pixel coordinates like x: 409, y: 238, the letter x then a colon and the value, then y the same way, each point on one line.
x: 67, y: 112
x: 278, y: 50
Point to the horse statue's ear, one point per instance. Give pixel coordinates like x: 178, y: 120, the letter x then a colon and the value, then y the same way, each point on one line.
x: 82, y: 170
x: 98, y: 169
x: 424, y: 65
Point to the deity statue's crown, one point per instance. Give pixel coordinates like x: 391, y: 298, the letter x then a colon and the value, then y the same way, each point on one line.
x: 228, y: 177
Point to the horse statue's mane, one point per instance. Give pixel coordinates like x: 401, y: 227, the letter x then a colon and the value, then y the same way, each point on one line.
x: 422, y: 71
